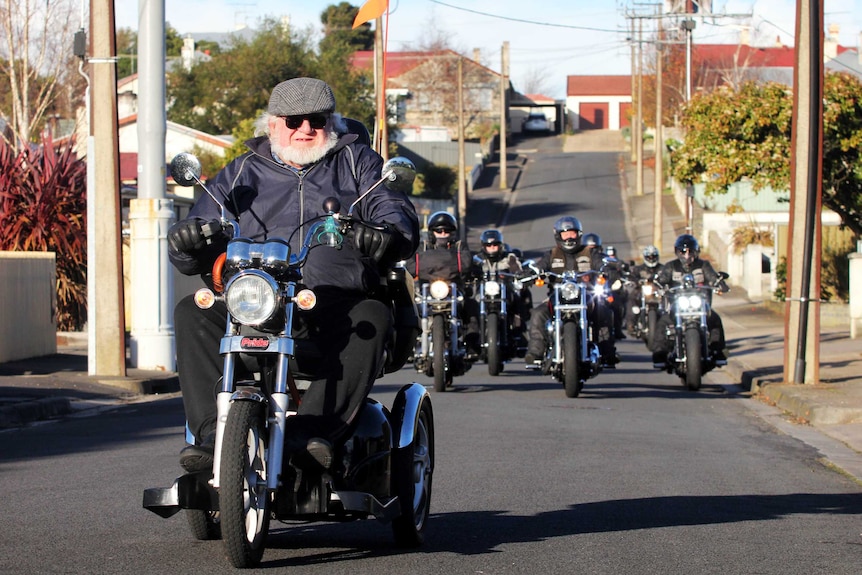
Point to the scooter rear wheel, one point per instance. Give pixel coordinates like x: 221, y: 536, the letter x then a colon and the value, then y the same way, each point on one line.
x: 205, y: 525
x: 244, y: 500
x: 412, y: 472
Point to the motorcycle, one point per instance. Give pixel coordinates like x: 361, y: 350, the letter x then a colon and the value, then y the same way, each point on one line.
x: 689, y: 306
x: 498, y: 293
x: 440, y: 349
x: 573, y: 355
x: 647, y: 310
x: 383, y: 469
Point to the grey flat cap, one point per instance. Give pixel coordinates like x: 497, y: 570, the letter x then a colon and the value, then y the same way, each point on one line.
x: 300, y: 96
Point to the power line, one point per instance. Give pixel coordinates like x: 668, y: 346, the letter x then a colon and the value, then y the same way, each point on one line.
x: 524, y: 21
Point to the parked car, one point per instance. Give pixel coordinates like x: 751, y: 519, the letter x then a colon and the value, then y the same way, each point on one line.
x: 536, y: 122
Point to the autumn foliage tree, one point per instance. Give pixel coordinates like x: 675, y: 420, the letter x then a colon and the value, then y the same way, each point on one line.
x: 743, y: 134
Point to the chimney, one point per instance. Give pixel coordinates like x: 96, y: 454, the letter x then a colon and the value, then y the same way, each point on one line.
x: 830, y: 42
x: 187, y: 52
x: 745, y: 36
x: 477, y: 54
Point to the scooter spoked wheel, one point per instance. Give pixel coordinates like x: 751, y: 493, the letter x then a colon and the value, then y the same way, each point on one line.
x: 438, y: 346
x: 571, y: 377
x: 205, y: 525
x: 495, y: 362
x: 243, y: 498
x: 693, y: 359
x: 412, y: 471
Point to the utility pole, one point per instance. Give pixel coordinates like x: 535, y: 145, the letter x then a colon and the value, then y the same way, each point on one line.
x: 802, y: 330
x: 462, y: 176
x: 381, y: 135
x: 635, y: 118
x: 152, y: 344
x: 107, y: 330
x: 504, y: 113
x: 639, y: 127
x: 659, y: 146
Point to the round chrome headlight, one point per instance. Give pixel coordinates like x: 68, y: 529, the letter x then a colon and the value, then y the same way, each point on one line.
x: 646, y: 289
x: 492, y: 288
x: 570, y: 290
x: 252, y: 297
x: 439, y: 289
x: 695, y: 302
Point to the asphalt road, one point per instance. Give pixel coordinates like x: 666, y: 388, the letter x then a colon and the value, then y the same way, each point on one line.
x: 637, y: 475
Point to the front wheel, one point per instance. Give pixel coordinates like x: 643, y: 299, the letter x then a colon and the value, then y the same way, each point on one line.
x: 412, y: 471
x: 692, y: 359
x: 438, y: 348
x: 243, y: 498
x: 652, y: 321
x: 571, y: 377
x: 492, y: 333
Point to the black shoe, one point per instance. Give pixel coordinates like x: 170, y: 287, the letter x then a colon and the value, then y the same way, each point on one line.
x: 198, y: 457
x: 619, y: 335
x: 317, y: 455
x: 658, y: 359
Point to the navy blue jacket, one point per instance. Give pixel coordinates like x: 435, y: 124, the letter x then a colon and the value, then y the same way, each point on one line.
x: 270, y: 200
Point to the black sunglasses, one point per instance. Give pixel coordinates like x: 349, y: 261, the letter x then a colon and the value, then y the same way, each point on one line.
x: 316, y: 121
x: 492, y: 243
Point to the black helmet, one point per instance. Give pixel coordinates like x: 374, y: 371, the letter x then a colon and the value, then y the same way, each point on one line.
x: 565, y: 224
x: 686, y: 249
x: 442, y: 222
x: 493, y: 238
x: 592, y: 239
x: 651, y: 256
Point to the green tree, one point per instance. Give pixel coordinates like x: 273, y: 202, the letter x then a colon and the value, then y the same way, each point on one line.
x: 216, y: 96
x: 744, y: 134
x: 337, y: 23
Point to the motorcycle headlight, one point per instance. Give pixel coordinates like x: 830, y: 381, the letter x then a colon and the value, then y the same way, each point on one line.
x: 695, y: 302
x: 570, y: 291
x: 439, y: 289
x: 252, y: 297
x: 646, y: 289
x: 492, y: 288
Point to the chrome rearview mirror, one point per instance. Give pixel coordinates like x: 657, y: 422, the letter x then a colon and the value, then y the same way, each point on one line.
x: 399, y: 173
x: 186, y: 169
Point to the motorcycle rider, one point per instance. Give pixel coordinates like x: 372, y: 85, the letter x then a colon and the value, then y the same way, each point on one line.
x: 687, y: 250
x: 446, y: 257
x: 571, y: 253
x: 496, y: 255
x: 301, y: 155
x: 642, y: 271
x: 617, y: 271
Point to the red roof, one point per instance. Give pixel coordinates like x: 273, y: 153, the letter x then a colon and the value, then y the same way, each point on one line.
x: 723, y: 56
x: 598, y: 85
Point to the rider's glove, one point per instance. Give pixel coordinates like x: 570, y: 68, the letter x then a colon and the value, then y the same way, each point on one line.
x: 374, y: 243
x: 191, y: 235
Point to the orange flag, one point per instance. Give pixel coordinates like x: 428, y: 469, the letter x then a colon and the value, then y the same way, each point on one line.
x: 369, y: 11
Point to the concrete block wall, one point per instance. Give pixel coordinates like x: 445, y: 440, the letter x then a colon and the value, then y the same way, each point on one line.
x: 28, y: 305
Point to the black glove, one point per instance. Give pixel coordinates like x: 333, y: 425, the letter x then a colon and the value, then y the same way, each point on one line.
x: 374, y: 243
x: 189, y: 236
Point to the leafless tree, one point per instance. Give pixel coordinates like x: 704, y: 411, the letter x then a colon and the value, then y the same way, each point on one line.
x: 34, y: 63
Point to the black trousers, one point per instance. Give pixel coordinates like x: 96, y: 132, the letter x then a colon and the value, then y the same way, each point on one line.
x: 601, y: 317
x: 340, y: 348
x: 663, y: 344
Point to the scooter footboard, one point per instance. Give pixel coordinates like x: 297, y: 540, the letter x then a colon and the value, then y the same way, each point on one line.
x: 189, y: 491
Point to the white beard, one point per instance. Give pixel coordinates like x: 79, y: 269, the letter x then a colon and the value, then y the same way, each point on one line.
x: 303, y: 156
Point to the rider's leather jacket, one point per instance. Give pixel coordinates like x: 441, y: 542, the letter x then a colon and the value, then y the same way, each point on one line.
x: 672, y: 272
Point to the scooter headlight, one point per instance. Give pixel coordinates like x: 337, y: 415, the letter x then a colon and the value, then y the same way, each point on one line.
x: 492, y: 288
x: 439, y: 289
x: 252, y: 297
x: 570, y: 291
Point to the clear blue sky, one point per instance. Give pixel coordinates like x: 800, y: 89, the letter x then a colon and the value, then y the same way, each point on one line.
x: 548, y: 39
